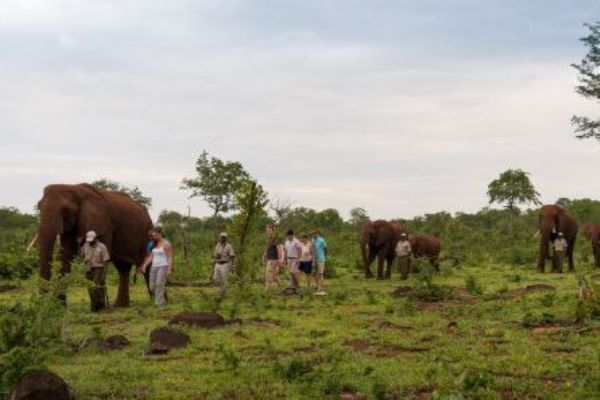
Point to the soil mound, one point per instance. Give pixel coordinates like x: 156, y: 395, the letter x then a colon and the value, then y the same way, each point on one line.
x: 115, y: 342
x: 164, y: 339
x: 347, y: 395
x: 401, y: 291
x: 539, y: 287
x: 200, y: 319
x: 40, y: 385
x: 391, y: 325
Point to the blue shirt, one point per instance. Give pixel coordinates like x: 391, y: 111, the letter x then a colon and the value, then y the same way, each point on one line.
x: 320, y: 247
x: 149, y: 246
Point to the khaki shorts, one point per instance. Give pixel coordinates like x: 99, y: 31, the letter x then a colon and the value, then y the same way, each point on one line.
x: 294, y: 265
x: 272, y: 273
x: 320, y: 267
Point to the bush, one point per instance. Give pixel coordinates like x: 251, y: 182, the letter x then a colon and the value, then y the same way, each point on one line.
x: 473, y: 286
x: 17, y: 266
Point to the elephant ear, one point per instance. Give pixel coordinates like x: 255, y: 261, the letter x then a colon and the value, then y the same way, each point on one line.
x: 94, y: 213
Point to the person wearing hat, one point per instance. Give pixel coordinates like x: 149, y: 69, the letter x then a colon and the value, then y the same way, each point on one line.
x: 95, y: 257
x: 403, y: 252
x: 224, y: 256
x: 560, y: 248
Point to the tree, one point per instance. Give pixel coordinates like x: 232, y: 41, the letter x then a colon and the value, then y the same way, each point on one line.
x: 589, y: 82
x: 511, y: 188
x: 251, y: 200
x: 134, y: 192
x: 217, y: 182
x: 358, y: 215
x: 281, y: 207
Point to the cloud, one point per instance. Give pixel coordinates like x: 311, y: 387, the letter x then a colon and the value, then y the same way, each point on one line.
x: 325, y: 110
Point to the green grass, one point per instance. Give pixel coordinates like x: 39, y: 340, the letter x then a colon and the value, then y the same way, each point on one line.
x: 471, y: 346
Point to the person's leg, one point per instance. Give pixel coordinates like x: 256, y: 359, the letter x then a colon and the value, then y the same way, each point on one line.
x: 224, y: 272
x: 320, y: 276
x: 216, y: 275
x: 269, y: 274
x: 294, y: 273
x: 152, y: 280
x: 161, y: 283
x: 560, y: 256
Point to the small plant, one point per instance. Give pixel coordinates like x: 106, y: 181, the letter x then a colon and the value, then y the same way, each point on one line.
x: 471, y: 381
x: 548, y: 299
x: 231, y: 358
x: 473, y: 286
x: 371, y: 297
x: 295, y: 368
x: 427, y: 290
x: 515, y: 278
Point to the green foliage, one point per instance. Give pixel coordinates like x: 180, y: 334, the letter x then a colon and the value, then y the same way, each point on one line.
x: 251, y: 200
x: 17, y: 265
x: 134, y: 192
x: 589, y: 82
x: 29, y: 331
x: 358, y: 215
x: 473, y: 285
x: 511, y: 188
x: 295, y: 368
x: 216, y: 182
x: 427, y: 290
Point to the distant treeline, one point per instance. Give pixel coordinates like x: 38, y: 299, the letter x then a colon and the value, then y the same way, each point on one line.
x: 491, y: 236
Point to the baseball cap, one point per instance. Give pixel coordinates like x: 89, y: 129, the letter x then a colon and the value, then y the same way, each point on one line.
x: 223, y: 234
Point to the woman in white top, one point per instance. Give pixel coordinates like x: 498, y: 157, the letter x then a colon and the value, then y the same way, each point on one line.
x: 161, y: 261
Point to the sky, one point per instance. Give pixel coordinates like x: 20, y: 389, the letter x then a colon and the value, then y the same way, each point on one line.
x: 401, y: 107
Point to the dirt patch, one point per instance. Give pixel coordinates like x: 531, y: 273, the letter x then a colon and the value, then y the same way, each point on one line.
x: 391, y: 325
x: 307, y: 349
x: 264, y: 323
x: 41, y: 385
x: 418, y: 394
x: 511, y: 294
x: 201, y: 319
x: 7, y: 288
x: 164, y: 339
x: 359, y: 345
x: 401, y: 291
x: 240, y: 335
x: 352, y: 396
x: 115, y: 342
x: 383, y: 350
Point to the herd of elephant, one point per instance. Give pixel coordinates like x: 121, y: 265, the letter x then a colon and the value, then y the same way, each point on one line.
x: 67, y: 212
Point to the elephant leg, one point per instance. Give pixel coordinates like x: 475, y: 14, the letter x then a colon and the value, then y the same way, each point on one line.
x: 370, y: 259
x: 123, y: 292
x: 435, y: 263
x: 570, y: 251
x: 597, y: 256
x: 380, y: 267
x: 390, y: 264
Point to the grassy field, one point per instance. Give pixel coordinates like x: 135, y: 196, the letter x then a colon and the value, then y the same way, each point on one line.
x: 491, y: 341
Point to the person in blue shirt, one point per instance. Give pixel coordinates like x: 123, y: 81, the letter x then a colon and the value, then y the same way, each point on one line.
x: 320, y: 252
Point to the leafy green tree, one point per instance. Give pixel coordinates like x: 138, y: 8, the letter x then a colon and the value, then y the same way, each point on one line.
x: 589, y: 82
x: 217, y: 182
x: 357, y: 216
x: 134, y: 192
x: 251, y: 200
x: 511, y: 188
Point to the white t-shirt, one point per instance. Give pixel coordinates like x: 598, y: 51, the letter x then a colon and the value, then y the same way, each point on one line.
x: 292, y: 248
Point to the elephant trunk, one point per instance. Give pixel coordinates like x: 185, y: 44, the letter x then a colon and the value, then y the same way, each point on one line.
x: 47, y: 234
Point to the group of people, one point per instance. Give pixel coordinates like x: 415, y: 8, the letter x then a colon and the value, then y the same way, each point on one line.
x: 307, y: 256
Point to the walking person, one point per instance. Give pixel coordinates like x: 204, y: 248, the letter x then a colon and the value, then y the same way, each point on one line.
x: 95, y: 257
x: 273, y: 258
x: 306, y: 258
x: 224, y: 256
x: 293, y: 251
x: 160, y: 260
x: 560, y: 249
x: 403, y: 252
x: 320, y: 252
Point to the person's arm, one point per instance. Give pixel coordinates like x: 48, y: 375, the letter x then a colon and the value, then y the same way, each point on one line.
x: 231, y: 252
x: 169, y: 251
x: 280, y: 253
x: 324, y: 247
x: 105, y: 255
x: 147, y: 261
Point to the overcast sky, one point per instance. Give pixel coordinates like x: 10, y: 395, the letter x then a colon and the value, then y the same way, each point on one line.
x: 401, y: 107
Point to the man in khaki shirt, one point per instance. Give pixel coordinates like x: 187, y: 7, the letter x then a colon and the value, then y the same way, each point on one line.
x: 224, y: 256
x: 560, y: 249
x: 403, y: 252
x: 96, y: 258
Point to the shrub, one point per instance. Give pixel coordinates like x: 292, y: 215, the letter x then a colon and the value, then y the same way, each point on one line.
x: 473, y: 286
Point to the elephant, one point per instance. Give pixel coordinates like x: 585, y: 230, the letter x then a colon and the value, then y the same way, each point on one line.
x: 552, y: 220
x: 592, y: 233
x: 427, y: 246
x: 378, y: 239
x: 67, y: 212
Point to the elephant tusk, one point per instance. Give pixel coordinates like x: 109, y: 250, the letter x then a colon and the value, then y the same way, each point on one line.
x: 33, y: 242
x: 536, y: 234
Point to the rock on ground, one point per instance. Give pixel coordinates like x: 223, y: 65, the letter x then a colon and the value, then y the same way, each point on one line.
x: 164, y: 339
x: 200, y: 319
x: 41, y: 385
x: 115, y: 342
